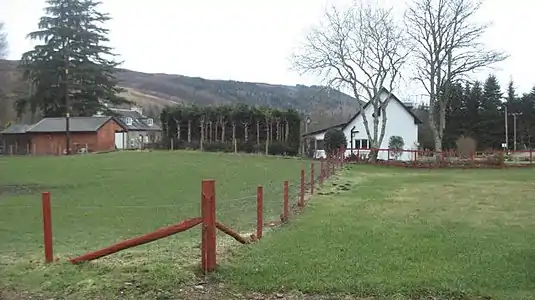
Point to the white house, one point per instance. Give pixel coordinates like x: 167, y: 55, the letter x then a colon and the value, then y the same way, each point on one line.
x: 401, y: 121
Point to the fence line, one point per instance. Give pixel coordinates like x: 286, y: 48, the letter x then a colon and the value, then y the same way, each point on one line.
x: 292, y: 199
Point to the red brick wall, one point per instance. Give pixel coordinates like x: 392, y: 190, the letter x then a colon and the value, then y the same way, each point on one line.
x: 54, y: 143
x: 106, y: 136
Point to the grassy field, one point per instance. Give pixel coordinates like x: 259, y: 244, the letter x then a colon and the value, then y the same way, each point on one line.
x: 98, y: 200
x: 400, y: 233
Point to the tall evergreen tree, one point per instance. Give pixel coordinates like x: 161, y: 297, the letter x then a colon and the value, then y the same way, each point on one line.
x: 73, y: 71
x: 473, y: 110
x: 491, y: 129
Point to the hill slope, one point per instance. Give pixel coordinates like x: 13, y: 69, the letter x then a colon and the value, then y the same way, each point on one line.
x: 154, y: 91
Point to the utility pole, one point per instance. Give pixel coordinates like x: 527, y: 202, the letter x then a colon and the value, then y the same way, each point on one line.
x: 67, y: 109
x: 514, y: 129
x: 506, y: 130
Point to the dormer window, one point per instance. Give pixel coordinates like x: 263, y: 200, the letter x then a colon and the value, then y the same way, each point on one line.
x: 150, y: 121
x: 129, y: 121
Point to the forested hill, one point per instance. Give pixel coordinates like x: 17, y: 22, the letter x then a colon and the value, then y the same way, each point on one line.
x: 153, y: 91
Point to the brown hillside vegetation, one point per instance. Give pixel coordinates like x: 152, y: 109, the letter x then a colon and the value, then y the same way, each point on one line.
x: 154, y: 91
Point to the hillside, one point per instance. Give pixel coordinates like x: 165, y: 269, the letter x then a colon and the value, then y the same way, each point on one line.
x: 154, y: 91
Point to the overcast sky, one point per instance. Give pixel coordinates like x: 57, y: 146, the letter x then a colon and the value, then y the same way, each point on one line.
x: 251, y: 40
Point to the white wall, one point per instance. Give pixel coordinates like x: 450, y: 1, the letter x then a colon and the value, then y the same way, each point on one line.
x: 399, y: 122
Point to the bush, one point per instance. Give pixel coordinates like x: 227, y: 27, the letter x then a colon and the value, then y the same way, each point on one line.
x: 466, y: 146
x: 396, y: 145
x: 218, y: 147
x: 334, y: 140
x: 278, y: 148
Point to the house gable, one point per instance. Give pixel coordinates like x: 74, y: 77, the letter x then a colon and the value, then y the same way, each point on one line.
x: 385, y: 97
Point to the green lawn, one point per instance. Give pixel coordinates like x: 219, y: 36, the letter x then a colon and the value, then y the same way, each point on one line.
x: 98, y: 200
x: 400, y: 233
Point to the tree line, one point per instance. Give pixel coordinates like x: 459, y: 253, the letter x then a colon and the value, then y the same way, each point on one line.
x: 232, y: 128
x: 478, y: 110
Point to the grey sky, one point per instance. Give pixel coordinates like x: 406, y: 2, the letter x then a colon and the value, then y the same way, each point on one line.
x: 251, y: 40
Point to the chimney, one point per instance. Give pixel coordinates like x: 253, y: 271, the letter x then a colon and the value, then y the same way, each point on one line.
x: 408, y: 104
x: 138, y: 109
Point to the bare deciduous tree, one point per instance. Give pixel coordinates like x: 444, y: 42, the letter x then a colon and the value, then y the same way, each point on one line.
x: 3, y: 41
x: 361, y: 49
x: 447, y: 46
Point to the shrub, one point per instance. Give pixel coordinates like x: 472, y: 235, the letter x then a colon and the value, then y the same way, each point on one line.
x: 466, y: 146
x: 334, y: 140
x: 218, y: 147
x: 396, y: 145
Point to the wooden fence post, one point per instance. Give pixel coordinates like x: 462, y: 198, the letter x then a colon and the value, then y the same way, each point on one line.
x: 285, y: 206
x: 333, y: 165
x: 302, y: 190
x: 259, y: 211
x: 47, y: 227
x: 322, y: 172
x: 208, y: 249
x: 312, y: 178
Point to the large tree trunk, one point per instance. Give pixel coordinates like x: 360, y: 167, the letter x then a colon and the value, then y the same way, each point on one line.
x: 278, y: 130
x: 258, y: 133
x: 177, y: 129
x: 210, y: 131
x: 268, y: 133
x: 189, y: 131
x: 234, y: 142
x: 223, y: 126
x: 202, y: 134
x: 287, y: 131
x: 216, y: 131
x: 246, y: 131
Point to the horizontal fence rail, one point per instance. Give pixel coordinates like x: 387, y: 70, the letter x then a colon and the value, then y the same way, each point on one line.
x: 292, y: 196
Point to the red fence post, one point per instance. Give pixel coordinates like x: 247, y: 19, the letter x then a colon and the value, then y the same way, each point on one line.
x: 208, y: 255
x: 47, y: 227
x: 333, y: 165
x: 312, y: 178
x: 285, y: 206
x: 302, y: 190
x: 259, y: 211
x: 322, y: 172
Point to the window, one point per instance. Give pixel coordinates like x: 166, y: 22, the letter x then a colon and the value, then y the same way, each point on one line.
x: 360, y: 144
x: 150, y: 121
x: 129, y: 121
x: 146, y: 139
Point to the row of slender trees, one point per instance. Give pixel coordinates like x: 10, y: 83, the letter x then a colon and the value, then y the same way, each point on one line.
x: 232, y: 128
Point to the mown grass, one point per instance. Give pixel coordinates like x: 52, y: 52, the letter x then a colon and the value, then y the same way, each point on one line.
x: 98, y: 200
x: 399, y: 234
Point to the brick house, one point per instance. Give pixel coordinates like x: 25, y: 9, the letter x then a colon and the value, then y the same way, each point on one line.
x: 88, y: 134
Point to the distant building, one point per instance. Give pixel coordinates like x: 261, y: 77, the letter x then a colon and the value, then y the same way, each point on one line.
x: 48, y: 136
x: 141, y: 131
x: 401, y: 121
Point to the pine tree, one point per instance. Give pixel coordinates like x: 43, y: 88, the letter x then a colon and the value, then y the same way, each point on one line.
x: 491, y: 117
x: 73, y: 70
x: 473, y: 110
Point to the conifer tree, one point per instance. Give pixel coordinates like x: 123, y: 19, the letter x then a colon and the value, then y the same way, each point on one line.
x: 73, y: 70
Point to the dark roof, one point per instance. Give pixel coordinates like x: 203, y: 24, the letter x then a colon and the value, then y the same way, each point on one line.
x: 139, y: 121
x: 76, y: 124
x: 16, y: 129
x: 337, y: 126
x: 416, y: 119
